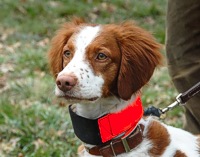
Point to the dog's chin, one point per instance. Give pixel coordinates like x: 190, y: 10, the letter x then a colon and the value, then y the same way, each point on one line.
x: 74, y: 99
x: 78, y: 99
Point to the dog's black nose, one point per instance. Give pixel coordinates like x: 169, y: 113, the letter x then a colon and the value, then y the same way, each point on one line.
x: 66, y: 82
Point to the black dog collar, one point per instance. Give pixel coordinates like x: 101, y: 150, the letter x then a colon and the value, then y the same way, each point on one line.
x: 107, y: 127
x: 86, y: 130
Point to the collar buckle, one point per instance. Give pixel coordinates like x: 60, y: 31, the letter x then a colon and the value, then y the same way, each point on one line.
x: 126, y: 145
x: 113, y: 150
x: 124, y: 139
x: 119, y: 145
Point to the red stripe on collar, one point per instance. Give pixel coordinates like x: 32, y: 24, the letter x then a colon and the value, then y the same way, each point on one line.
x: 115, y: 124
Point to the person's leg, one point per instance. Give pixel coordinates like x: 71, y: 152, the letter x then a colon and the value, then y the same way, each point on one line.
x: 183, y: 53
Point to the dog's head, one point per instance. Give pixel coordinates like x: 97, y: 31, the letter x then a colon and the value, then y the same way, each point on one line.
x: 92, y: 61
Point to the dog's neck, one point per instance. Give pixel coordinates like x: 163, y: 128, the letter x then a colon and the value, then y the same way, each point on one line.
x: 102, y: 106
x: 94, y: 110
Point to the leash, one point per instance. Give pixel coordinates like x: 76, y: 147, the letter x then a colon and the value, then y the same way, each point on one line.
x: 181, y: 100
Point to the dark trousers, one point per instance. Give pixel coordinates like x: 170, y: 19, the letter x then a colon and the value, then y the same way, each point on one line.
x: 183, y: 53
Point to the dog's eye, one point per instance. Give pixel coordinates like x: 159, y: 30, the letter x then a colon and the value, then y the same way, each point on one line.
x: 67, y: 53
x: 101, y: 56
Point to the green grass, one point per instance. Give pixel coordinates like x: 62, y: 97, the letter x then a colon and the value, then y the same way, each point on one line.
x: 32, y: 129
x: 33, y: 123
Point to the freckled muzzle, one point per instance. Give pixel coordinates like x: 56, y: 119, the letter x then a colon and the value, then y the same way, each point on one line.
x: 77, y: 87
x: 78, y: 80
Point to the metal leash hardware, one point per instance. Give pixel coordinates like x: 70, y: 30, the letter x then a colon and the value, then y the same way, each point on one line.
x: 181, y: 99
x: 178, y: 102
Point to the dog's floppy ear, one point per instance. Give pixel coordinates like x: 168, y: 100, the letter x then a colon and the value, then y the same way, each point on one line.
x: 139, y: 57
x: 58, y: 42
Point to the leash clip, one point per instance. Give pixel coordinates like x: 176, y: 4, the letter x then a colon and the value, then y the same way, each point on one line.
x: 179, y: 100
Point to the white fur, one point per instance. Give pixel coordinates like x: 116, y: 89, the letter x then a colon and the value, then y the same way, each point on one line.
x: 101, y: 107
x: 89, y: 85
x: 183, y: 141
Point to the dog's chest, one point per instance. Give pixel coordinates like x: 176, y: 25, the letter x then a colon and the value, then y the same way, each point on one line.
x: 171, y: 143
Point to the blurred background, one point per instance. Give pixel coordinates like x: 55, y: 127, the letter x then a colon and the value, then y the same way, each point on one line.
x: 33, y: 123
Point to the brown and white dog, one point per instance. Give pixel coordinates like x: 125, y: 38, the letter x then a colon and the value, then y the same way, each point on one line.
x: 101, y: 69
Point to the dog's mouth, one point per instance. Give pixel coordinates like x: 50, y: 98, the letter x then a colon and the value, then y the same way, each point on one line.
x: 69, y: 96
x: 79, y: 98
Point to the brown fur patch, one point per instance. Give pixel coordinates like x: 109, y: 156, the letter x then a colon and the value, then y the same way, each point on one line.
x: 159, y: 136
x: 179, y: 154
x: 133, y: 55
x: 140, y: 56
x: 55, y: 54
x: 106, y: 43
